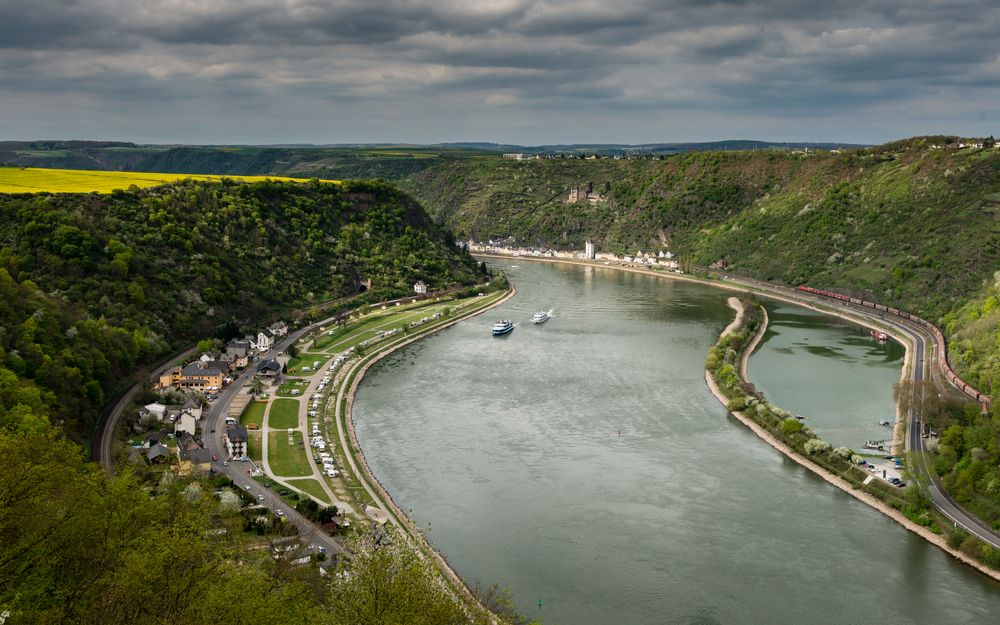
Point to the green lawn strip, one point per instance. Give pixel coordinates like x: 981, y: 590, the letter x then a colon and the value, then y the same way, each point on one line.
x: 254, y: 413
x: 310, y: 486
x: 254, y: 445
x: 287, y: 459
x: 400, y: 322
x: 293, y: 387
x: 284, y: 414
x: 359, y: 331
x: 312, y: 360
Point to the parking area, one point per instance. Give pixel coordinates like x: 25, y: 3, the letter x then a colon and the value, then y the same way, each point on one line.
x: 885, y: 469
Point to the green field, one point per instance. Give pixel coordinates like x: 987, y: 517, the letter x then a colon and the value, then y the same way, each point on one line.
x: 35, y: 180
x: 293, y: 387
x: 254, y: 414
x: 312, y: 487
x: 367, y: 329
x: 284, y: 413
x: 288, y: 460
x: 307, y: 360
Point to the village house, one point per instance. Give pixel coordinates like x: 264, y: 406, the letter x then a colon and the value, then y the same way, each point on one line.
x: 193, y: 406
x: 187, y: 422
x: 222, y: 365
x: 237, y: 353
x: 158, y: 453
x: 197, y: 376
x: 236, y: 440
x: 420, y: 288
x: 269, y: 369
x: 159, y: 411
x: 189, y: 450
x: 265, y: 340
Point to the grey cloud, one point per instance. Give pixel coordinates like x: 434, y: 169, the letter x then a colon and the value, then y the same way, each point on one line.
x: 515, y: 63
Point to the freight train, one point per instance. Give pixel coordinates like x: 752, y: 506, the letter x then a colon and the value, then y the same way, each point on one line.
x: 942, y: 349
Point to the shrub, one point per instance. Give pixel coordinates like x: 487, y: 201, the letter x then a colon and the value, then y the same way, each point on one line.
x: 791, y: 425
x: 815, y: 445
x: 736, y: 404
x: 844, y: 453
x: 956, y: 537
x: 970, y: 546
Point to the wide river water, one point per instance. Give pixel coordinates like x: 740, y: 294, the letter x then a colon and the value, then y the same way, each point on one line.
x: 584, y: 463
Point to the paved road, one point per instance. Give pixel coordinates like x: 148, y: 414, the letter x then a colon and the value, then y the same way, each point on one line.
x: 915, y: 443
x: 213, y: 426
x: 920, y: 371
x: 302, y: 426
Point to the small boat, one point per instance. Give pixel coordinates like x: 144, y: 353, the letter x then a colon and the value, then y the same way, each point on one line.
x: 875, y: 445
x: 503, y: 327
x: 540, y: 317
x: 884, y: 424
x: 879, y: 336
x: 799, y: 417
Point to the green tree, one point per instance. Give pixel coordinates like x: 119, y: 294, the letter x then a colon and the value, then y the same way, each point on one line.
x: 389, y: 585
x: 791, y: 425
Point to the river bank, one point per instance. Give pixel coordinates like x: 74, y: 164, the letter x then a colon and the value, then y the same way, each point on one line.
x: 360, y: 464
x: 834, y: 480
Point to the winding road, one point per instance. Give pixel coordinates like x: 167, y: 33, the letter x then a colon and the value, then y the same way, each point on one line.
x: 212, y: 435
x: 918, y: 337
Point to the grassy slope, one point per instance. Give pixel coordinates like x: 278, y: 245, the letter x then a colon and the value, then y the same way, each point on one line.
x: 903, y: 223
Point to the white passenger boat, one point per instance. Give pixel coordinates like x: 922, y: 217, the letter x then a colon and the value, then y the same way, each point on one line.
x: 503, y: 327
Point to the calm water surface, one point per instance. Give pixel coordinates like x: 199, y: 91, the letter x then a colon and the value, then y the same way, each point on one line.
x: 509, y: 449
x: 830, y: 371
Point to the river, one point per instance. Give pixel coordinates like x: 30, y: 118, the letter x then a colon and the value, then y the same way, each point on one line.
x: 584, y: 464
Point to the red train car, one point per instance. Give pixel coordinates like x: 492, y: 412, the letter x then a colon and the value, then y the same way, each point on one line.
x: 942, y: 347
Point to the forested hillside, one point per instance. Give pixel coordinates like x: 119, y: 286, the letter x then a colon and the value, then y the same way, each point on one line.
x: 906, y: 223
x: 92, y: 286
x: 82, y: 546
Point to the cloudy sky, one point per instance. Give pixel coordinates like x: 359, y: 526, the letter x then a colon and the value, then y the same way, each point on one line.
x: 516, y: 71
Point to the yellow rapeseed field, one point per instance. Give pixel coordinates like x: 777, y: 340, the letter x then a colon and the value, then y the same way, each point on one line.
x: 34, y: 180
